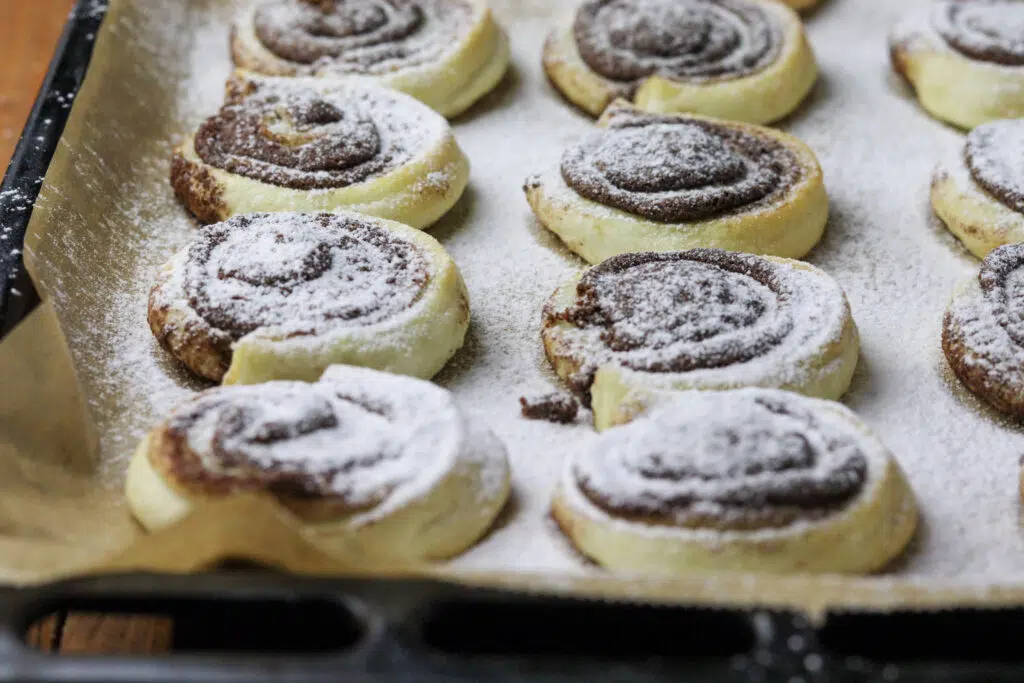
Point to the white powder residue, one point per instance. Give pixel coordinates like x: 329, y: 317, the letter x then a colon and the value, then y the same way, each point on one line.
x: 753, y: 461
x: 715, y: 318
x: 377, y: 441
x: 897, y: 266
x: 300, y: 274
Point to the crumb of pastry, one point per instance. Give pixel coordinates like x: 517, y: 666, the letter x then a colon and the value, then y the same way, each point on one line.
x: 553, y: 407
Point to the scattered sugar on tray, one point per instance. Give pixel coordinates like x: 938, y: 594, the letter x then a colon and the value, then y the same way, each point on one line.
x: 896, y: 272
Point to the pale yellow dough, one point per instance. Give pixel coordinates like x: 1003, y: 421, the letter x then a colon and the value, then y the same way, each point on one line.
x: 862, y: 537
x: 470, y: 69
x: 979, y: 220
x: 821, y: 367
x: 456, y: 503
x: 761, y: 97
x: 801, y: 5
x: 416, y: 342
x: 416, y: 193
x: 951, y: 86
x: 789, y: 226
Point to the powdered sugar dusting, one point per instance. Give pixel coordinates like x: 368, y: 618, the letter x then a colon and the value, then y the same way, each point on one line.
x: 990, y: 30
x: 298, y: 274
x: 317, y: 134
x: 372, y: 440
x: 360, y: 37
x: 689, y: 40
x: 676, y: 169
x: 744, y: 460
x: 986, y: 316
x: 896, y: 264
x: 737, y: 318
x: 995, y: 156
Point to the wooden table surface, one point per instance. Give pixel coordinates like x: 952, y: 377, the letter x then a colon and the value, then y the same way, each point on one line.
x: 28, y: 35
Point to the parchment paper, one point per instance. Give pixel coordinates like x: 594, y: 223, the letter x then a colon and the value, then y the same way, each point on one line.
x: 106, y: 220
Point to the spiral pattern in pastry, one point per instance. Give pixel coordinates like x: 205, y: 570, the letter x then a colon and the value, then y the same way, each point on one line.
x: 308, y: 139
x: 993, y: 155
x: 301, y: 276
x: 352, y: 453
x: 725, y: 463
x: 749, y: 479
x: 445, y: 53
x: 676, y: 169
x: 294, y: 277
x: 986, y: 30
x: 628, y: 40
x: 360, y: 36
x: 964, y: 59
x: 310, y: 144
x: 702, y: 318
x: 983, y: 331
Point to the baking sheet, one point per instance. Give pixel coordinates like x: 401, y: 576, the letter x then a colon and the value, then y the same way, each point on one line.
x: 106, y: 219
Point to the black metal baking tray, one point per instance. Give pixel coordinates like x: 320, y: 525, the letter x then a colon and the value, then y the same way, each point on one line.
x: 250, y: 627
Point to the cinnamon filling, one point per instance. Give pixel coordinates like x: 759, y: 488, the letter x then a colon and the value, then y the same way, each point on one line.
x: 680, y: 311
x: 300, y: 273
x: 986, y: 30
x: 676, y: 170
x: 1002, y: 282
x: 300, y: 139
x: 361, y: 36
x: 735, y: 464
x: 993, y: 154
x: 627, y: 40
x: 298, y: 441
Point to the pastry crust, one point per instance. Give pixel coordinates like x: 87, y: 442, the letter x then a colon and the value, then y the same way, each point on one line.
x: 416, y: 341
x: 978, y: 219
x: 418, y: 191
x: 819, y: 360
x: 788, y: 223
x: 862, y: 535
x: 801, y: 5
x: 468, y: 69
x: 438, y: 497
x: 978, y: 334
x: 950, y: 85
x: 763, y: 96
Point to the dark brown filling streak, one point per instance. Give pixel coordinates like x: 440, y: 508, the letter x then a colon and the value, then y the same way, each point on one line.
x: 603, y: 301
x: 289, y: 481
x: 974, y: 41
x: 238, y: 140
x: 980, y: 152
x: 773, y: 502
x: 356, y: 36
x: 690, y: 41
x: 340, y: 233
x: 703, y: 171
x: 1007, y: 302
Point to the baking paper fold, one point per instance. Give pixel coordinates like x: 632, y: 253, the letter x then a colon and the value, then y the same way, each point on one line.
x: 70, y: 416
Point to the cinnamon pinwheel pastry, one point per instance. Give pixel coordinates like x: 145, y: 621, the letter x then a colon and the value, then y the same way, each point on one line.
x: 699, y: 319
x: 743, y: 60
x: 305, y: 144
x: 445, y: 53
x: 965, y: 59
x: 979, y: 194
x: 748, y: 480
x: 377, y: 466
x: 284, y: 295
x: 983, y: 331
x: 657, y: 182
